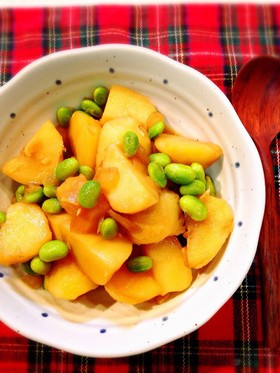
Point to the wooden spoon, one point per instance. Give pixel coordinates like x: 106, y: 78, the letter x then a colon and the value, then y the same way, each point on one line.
x: 256, y: 99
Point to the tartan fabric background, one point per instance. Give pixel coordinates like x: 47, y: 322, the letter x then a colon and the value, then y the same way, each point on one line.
x: 216, y: 40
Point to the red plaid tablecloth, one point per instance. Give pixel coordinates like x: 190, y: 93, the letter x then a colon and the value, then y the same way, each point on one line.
x: 216, y: 40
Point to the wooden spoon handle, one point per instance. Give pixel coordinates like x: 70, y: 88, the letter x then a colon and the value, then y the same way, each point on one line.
x: 269, y: 251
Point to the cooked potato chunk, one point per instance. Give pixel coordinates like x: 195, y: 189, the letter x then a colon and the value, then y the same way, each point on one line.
x: 186, y: 151
x: 113, y: 131
x: 131, y: 287
x: 37, y: 160
x: 99, y: 259
x: 124, y: 102
x: 205, y: 238
x: 169, y: 268
x: 26, y: 229
x: 84, y: 134
x: 65, y: 279
x: 134, y: 191
x: 159, y: 221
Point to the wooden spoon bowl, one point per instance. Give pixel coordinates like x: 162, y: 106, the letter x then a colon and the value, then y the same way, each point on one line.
x: 256, y: 99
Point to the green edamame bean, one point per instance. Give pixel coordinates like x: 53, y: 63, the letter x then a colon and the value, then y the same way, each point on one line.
x: 210, y: 185
x: 20, y: 193
x: 193, y: 207
x: 199, y: 171
x: 35, y: 197
x: 51, y: 206
x: 156, y: 129
x: 162, y: 158
x: 108, y: 228
x: 53, y: 250
x: 27, y: 269
x: 91, y: 108
x: 66, y: 168
x: 86, y: 171
x: 130, y: 143
x: 39, y: 266
x: 179, y: 173
x: 49, y: 191
x: 100, y: 95
x: 89, y: 194
x: 2, y: 217
x: 63, y: 116
x: 156, y: 172
x: 194, y: 188
x: 139, y: 264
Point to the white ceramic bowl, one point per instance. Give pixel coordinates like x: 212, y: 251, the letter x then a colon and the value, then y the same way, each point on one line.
x: 194, y: 106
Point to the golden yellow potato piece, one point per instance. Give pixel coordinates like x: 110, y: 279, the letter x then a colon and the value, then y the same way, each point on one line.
x: 25, y: 230
x: 159, y: 221
x: 205, y: 238
x: 56, y: 221
x: 134, y: 191
x: 65, y: 280
x: 131, y: 287
x: 124, y: 102
x: 67, y: 193
x: 99, y: 259
x: 184, y: 150
x: 38, y: 158
x: 112, y: 133
x: 169, y: 268
x: 84, y: 134
x: 108, y: 177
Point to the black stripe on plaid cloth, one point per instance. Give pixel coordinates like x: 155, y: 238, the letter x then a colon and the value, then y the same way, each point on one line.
x: 215, y: 39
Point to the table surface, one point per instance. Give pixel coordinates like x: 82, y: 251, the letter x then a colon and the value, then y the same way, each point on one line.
x: 216, y: 39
